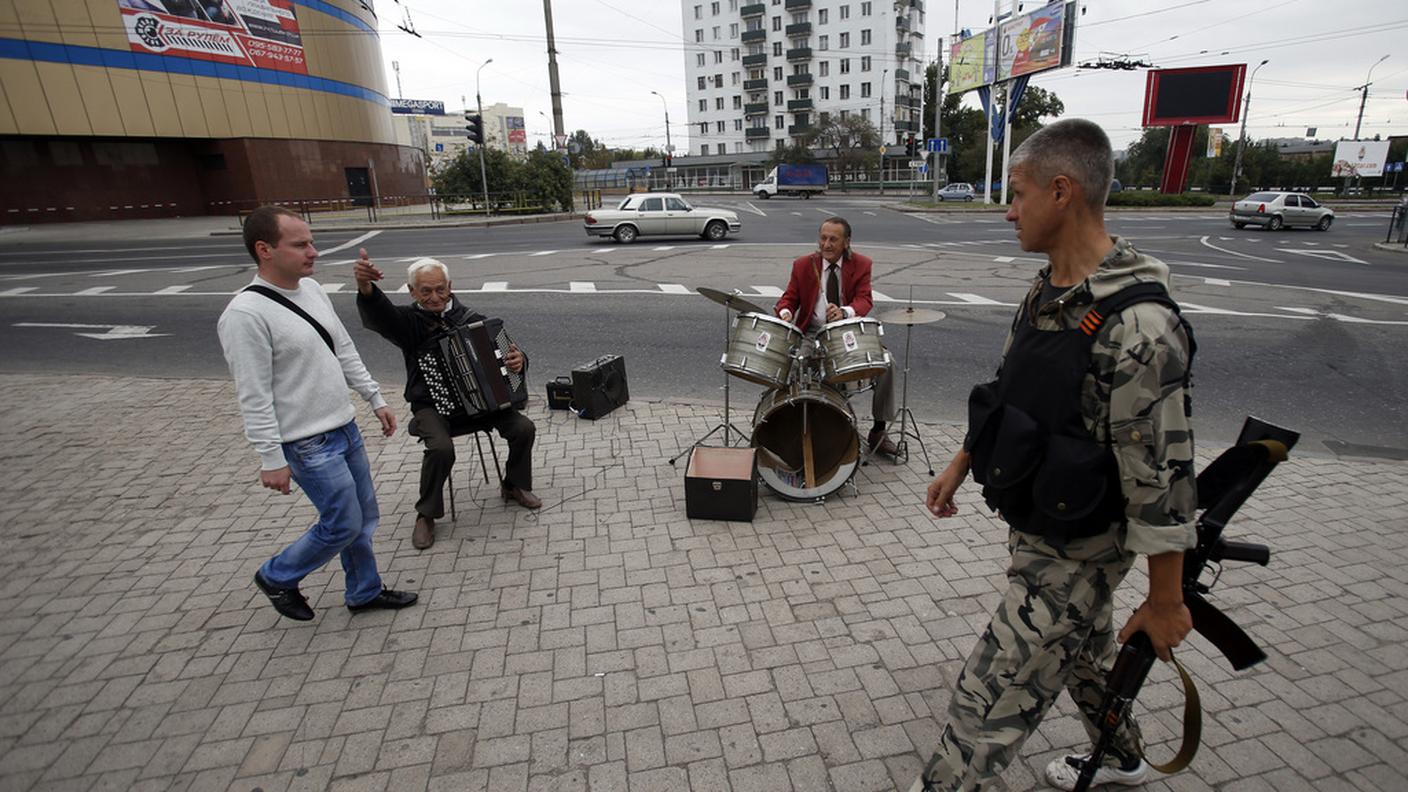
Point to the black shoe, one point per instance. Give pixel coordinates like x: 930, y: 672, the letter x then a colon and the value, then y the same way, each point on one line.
x: 388, y: 600
x: 289, y: 602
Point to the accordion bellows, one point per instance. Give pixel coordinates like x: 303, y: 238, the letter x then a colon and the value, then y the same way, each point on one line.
x: 465, y: 372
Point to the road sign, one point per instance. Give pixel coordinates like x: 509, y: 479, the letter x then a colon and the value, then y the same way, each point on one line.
x: 923, y: 169
x: 882, y: 151
x: 936, y: 144
x: 561, y: 140
x: 916, y: 163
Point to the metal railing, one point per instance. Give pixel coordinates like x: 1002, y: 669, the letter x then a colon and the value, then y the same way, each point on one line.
x: 1398, y: 226
x: 394, y: 208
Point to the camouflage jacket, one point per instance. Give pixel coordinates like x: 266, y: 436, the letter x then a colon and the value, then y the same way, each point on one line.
x: 1134, y: 394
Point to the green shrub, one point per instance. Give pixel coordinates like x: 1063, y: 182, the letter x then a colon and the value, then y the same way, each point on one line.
x: 1152, y: 198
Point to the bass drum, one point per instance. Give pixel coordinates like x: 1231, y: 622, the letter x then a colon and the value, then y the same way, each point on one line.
x: 806, y: 440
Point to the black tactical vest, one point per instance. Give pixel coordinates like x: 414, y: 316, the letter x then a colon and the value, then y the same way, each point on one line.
x: 1038, y: 463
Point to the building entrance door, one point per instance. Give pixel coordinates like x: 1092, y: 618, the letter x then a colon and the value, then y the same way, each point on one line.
x: 359, y: 186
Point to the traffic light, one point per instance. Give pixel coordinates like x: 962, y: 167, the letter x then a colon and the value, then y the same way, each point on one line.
x: 910, y: 147
x: 475, y: 126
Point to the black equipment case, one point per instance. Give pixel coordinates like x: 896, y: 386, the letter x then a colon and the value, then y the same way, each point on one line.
x: 721, y: 484
x: 599, y: 387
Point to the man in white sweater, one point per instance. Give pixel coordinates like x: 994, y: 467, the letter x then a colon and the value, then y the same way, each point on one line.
x: 293, y: 361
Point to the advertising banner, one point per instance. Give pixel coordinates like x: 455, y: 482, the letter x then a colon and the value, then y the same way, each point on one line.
x: 972, y: 62
x: 259, y: 33
x: 1031, y: 43
x: 1214, y: 142
x: 1359, y: 158
x: 516, y: 132
x: 418, y: 107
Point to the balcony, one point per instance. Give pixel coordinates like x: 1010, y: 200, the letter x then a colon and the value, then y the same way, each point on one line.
x: 755, y: 9
x: 798, y: 53
x: 906, y: 126
x: 797, y: 130
x: 902, y: 24
x: 755, y: 109
x: 902, y: 50
x: 757, y: 133
x: 797, y: 5
x: 799, y: 29
x: 752, y: 86
x: 799, y: 80
x: 754, y: 36
x: 761, y: 59
x: 799, y: 105
x: 902, y: 74
x: 906, y: 101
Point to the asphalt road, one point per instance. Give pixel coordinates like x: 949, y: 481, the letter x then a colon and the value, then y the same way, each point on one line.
x: 1300, y: 328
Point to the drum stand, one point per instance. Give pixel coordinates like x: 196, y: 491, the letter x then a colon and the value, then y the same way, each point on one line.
x: 726, y: 426
x: 909, y: 427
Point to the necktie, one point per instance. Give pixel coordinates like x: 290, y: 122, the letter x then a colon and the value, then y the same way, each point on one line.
x: 833, y: 287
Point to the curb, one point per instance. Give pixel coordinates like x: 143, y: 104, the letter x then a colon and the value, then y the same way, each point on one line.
x: 415, y: 224
x: 1390, y: 247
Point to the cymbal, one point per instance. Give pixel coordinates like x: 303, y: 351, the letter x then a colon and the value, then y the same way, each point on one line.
x: 731, y: 299
x: 911, y: 316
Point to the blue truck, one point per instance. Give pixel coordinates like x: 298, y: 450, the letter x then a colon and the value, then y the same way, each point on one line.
x: 803, y: 180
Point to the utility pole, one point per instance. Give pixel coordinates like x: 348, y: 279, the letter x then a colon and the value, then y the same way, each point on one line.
x: 553, y: 84
x: 1242, y: 139
x: 938, y: 114
x: 1364, y: 95
x: 882, y: 129
x: 484, y: 137
x: 396, y: 67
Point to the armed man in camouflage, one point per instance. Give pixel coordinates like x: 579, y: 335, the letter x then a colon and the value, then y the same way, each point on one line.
x: 1084, y: 445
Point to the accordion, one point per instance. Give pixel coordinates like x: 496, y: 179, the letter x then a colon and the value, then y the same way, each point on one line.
x: 465, y: 372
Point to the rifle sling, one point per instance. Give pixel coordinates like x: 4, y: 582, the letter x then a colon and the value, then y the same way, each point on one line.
x: 1192, y: 725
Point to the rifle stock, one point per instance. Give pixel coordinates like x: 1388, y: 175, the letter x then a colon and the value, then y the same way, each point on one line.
x: 1222, y: 632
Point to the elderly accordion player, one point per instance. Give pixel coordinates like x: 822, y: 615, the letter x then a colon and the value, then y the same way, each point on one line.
x: 465, y: 371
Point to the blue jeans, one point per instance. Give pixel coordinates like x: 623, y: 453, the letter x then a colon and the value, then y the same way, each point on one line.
x: 332, y: 469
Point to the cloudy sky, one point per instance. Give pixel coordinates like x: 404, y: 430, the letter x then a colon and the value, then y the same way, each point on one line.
x: 613, y: 53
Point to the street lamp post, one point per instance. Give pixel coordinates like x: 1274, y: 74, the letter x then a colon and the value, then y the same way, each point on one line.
x: 1364, y: 95
x: 669, y: 147
x: 1242, y: 139
x: 478, y: 100
x: 883, y: 76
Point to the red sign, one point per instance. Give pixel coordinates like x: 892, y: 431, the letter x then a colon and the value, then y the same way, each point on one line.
x: 259, y: 33
x: 517, y: 136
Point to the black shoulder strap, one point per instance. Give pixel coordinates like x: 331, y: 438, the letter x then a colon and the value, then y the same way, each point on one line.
x: 1132, y: 295
x: 292, y: 306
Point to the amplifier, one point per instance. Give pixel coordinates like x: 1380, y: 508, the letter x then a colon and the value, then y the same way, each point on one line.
x: 560, y: 393
x: 721, y: 484
x: 599, y: 387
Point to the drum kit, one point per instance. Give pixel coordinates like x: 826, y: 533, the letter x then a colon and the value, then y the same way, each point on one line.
x: 804, y: 429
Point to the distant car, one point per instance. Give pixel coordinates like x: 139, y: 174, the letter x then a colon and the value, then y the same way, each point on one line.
x: 957, y: 191
x: 660, y: 214
x: 1276, y: 210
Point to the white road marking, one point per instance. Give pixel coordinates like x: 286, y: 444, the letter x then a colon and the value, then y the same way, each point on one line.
x: 973, y: 299
x: 544, y: 253
x: 177, y: 289
x: 1332, y: 255
x: 114, y: 273
x: 872, y: 214
x: 193, y: 269
x: 332, y: 288
x: 754, y: 209
x: 664, y: 247
x: 351, y: 242
x: 674, y: 288
x: 477, y: 256
x: 1201, y: 264
x: 1004, y: 259
x: 718, y: 247
x: 798, y: 214
x: 18, y: 290
x: 767, y: 291
x: 1207, y: 309
x: 1204, y: 241
x: 1295, y: 309
x: 495, y: 286
x: 826, y: 212
x: 93, y: 291
x: 881, y: 297
x: 1217, y: 282
x: 582, y: 286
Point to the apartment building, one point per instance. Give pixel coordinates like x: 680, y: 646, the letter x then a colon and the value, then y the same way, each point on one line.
x: 762, y: 73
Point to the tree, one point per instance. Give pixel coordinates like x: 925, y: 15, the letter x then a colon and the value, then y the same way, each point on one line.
x: 542, y: 179
x: 854, y: 142
x: 546, y: 181
x: 461, y: 175
x: 795, y: 154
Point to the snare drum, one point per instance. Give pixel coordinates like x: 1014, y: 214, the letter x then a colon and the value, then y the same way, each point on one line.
x: 854, y: 350
x: 760, y: 349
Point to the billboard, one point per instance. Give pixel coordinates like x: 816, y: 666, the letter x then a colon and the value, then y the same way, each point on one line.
x: 1031, y: 43
x: 417, y: 107
x: 1198, y: 95
x: 259, y: 33
x: 972, y: 62
x: 1214, y: 142
x: 1359, y: 158
x: 516, y: 132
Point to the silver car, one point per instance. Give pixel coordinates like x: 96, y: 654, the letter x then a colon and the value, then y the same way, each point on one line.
x: 1276, y: 210
x: 660, y: 214
x: 957, y: 191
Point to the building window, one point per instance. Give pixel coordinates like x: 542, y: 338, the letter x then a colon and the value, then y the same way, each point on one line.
x: 844, y: 113
x: 845, y: 92
x: 704, y: 150
x: 701, y: 83
x: 845, y: 12
x: 776, y: 73
x: 719, y: 127
x: 824, y: 117
x: 825, y: 92
x: 845, y: 65
x: 776, y: 48
x: 865, y: 63
x: 699, y: 59
x: 733, y: 30
x: 733, y: 78
x: 865, y: 90
x: 825, y: 68
x: 737, y: 103
x: 777, y: 122
x: 733, y: 5
x: 776, y: 23
x: 718, y: 56
x: 777, y: 98
x: 865, y: 9
x: 865, y: 37
x: 821, y: 15
x: 703, y: 127
x: 723, y: 148
x: 719, y: 102
x: 703, y: 105
x: 718, y: 81
x: 698, y: 11
x: 714, y: 8
x: 865, y: 113
x: 737, y: 125
x: 823, y: 43
x: 735, y: 53
x: 845, y: 40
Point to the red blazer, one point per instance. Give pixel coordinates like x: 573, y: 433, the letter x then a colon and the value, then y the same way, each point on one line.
x: 804, y: 286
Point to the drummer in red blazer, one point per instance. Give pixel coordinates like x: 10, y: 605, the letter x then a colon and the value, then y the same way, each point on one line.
x: 807, y: 304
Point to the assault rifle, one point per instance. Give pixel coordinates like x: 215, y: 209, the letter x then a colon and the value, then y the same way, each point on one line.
x: 1222, y: 489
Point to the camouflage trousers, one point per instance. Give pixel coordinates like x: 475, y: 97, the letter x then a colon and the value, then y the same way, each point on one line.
x: 1052, y: 631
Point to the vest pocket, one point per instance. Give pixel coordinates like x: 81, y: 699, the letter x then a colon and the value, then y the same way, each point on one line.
x: 1014, y: 452
x: 1071, y: 485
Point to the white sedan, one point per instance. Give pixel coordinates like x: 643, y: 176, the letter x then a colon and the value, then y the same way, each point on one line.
x: 660, y: 214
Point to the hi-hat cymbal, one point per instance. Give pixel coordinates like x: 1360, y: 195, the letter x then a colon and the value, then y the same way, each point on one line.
x: 911, y: 316
x: 731, y: 299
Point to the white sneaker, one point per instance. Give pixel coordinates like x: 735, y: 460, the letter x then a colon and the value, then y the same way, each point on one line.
x: 1062, y: 775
